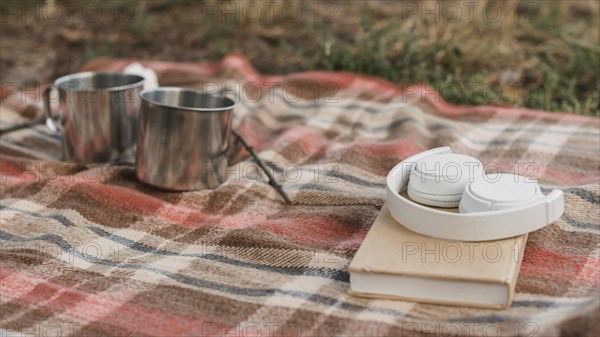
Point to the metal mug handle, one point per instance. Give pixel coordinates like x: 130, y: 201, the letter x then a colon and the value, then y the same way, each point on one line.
x: 272, y: 181
x: 51, y: 123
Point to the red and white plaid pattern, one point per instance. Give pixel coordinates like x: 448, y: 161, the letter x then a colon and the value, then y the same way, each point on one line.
x: 88, y: 251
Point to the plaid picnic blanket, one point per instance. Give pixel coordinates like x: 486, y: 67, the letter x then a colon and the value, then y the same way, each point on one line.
x: 89, y: 251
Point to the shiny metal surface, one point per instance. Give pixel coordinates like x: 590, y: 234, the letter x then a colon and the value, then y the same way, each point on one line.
x: 98, y: 115
x: 183, y: 138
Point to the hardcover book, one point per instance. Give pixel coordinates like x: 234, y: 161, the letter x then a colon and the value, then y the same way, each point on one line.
x: 394, y: 262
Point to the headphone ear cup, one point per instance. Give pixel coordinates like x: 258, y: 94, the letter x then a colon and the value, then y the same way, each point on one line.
x: 440, y: 180
x: 493, y: 192
x: 432, y: 199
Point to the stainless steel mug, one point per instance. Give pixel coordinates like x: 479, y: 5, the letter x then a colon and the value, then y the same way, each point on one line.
x: 183, y: 139
x: 98, y: 115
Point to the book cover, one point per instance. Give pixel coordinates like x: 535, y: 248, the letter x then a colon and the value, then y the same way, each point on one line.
x: 394, y: 262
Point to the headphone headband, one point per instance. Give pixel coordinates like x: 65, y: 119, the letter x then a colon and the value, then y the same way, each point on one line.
x: 481, y: 226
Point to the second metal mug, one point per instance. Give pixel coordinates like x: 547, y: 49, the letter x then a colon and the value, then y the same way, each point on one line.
x: 98, y: 115
x: 183, y: 138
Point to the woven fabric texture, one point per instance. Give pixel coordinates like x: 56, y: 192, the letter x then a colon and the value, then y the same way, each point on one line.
x: 89, y: 251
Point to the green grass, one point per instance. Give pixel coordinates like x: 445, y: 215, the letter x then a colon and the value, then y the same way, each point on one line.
x: 555, y: 71
x: 547, y: 57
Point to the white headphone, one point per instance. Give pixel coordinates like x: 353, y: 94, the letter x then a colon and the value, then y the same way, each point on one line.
x: 491, y: 207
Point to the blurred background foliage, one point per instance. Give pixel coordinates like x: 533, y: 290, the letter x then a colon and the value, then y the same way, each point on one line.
x: 540, y: 54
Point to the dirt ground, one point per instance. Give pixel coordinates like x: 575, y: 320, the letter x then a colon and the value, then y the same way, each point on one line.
x: 37, y: 47
x: 547, y: 48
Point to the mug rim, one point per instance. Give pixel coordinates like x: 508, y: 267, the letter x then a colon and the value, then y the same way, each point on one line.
x: 230, y: 106
x: 139, y: 80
